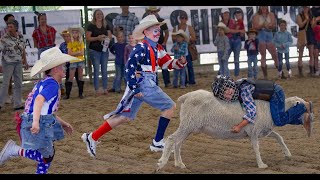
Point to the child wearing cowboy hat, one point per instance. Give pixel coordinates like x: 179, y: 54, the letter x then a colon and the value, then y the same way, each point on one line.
x: 179, y: 49
x: 223, y: 47
x: 40, y: 126
x: 76, y: 48
x: 251, y: 45
x: 141, y: 87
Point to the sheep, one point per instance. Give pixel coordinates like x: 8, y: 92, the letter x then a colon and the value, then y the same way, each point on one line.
x: 201, y: 112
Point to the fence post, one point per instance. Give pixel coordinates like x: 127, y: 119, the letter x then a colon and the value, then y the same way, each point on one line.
x: 89, y: 64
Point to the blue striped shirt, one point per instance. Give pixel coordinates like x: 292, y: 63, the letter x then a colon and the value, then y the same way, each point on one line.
x: 248, y: 101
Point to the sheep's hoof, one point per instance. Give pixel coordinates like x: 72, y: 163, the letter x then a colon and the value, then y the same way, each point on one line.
x: 180, y: 165
x: 262, y: 166
x: 288, y: 158
x: 160, y: 166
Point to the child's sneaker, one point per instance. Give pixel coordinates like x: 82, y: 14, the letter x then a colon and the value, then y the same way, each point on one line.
x: 9, y: 150
x: 289, y: 73
x: 90, y: 143
x: 157, y: 146
x: 279, y: 74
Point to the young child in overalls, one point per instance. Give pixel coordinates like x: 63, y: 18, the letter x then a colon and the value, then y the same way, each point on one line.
x: 40, y: 127
x: 141, y: 87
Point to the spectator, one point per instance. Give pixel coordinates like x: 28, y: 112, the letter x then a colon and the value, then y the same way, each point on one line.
x: 251, y: 45
x: 6, y: 18
x: 238, y: 15
x: 304, y: 22
x: 118, y: 50
x: 264, y: 22
x: 234, y: 36
x: 97, y: 33
x: 12, y: 46
x: 180, y: 49
x: 223, y: 48
x: 44, y: 36
x: 316, y: 30
x: 76, y: 49
x: 126, y: 22
x: 129, y: 47
x: 164, y: 35
x: 183, y: 17
x: 282, y: 40
x: 64, y: 49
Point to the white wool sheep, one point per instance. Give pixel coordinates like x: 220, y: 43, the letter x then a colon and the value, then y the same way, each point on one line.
x: 201, y: 112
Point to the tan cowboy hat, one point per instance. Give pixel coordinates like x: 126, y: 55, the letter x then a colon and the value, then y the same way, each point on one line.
x: 183, y: 34
x: 223, y: 26
x: 152, y: 8
x: 252, y: 31
x: 76, y: 28
x: 49, y: 59
x: 64, y: 32
x: 146, y: 22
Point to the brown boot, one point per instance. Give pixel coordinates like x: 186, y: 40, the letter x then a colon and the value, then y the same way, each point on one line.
x: 265, y: 72
x: 300, y: 71
x: 311, y: 70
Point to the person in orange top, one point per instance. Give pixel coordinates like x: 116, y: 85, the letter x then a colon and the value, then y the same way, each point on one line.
x: 76, y: 49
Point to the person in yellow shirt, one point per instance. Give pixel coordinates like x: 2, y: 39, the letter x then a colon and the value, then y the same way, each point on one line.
x: 76, y: 49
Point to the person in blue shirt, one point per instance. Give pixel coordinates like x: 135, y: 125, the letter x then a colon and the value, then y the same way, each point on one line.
x: 40, y: 126
x: 118, y: 50
x: 246, y: 90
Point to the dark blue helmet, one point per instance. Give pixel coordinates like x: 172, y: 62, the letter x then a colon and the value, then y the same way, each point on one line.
x: 220, y: 84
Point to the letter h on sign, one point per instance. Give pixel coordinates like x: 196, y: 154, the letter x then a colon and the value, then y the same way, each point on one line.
x: 24, y: 25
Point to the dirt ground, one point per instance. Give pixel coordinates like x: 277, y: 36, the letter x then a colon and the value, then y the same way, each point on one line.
x: 125, y: 149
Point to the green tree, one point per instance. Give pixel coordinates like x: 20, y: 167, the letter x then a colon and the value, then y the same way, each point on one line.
x: 27, y: 8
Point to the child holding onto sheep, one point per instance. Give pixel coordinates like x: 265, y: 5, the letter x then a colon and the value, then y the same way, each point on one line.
x: 228, y: 90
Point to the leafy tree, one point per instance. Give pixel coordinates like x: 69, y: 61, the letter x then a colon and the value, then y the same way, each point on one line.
x: 27, y: 8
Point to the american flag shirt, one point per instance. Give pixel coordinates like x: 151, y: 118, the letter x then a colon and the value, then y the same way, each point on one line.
x: 247, y: 90
x: 140, y: 60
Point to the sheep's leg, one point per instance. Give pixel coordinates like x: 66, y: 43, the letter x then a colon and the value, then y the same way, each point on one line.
x: 255, y: 145
x: 166, y: 151
x: 181, y: 137
x: 283, y: 146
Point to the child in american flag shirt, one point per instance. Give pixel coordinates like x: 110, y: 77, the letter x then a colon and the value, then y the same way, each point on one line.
x: 140, y: 70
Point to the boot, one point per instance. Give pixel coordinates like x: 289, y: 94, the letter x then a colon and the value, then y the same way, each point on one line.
x: 300, y: 71
x: 68, y: 89
x: 265, y: 72
x: 311, y: 70
x: 80, y: 87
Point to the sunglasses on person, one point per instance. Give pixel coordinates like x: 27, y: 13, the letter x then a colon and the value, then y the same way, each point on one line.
x: 183, y: 17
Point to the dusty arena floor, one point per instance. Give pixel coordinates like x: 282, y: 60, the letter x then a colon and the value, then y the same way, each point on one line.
x: 126, y: 148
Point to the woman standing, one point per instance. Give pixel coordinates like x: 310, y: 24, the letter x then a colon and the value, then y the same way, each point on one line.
x: 97, y: 33
x: 264, y: 22
x: 304, y: 22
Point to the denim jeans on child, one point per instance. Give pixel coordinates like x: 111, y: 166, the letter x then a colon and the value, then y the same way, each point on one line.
x: 118, y: 77
x: 280, y: 57
x: 252, y: 66
x: 235, y: 47
x: 223, y: 64
x: 99, y: 58
x: 179, y: 74
x: 277, y: 107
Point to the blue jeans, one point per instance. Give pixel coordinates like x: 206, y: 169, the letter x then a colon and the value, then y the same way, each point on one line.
x: 152, y: 95
x: 265, y: 36
x: 179, y: 73
x: 223, y: 64
x: 50, y: 131
x: 166, y: 73
x: 99, y: 58
x: 118, y: 78
x: 235, y: 47
x: 277, y: 107
x: 252, y: 69
x: 190, y: 75
x: 280, y: 57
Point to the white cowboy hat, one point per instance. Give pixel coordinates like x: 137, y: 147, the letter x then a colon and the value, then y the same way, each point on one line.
x: 182, y: 33
x: 49, y: 59
x: 146, y: 22
x: 152, y: 8
x: 223, y: 26
x: 76, y: 28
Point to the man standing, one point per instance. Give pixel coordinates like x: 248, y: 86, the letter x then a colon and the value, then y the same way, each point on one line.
x: 125, y: 22
x: 164, y: 35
